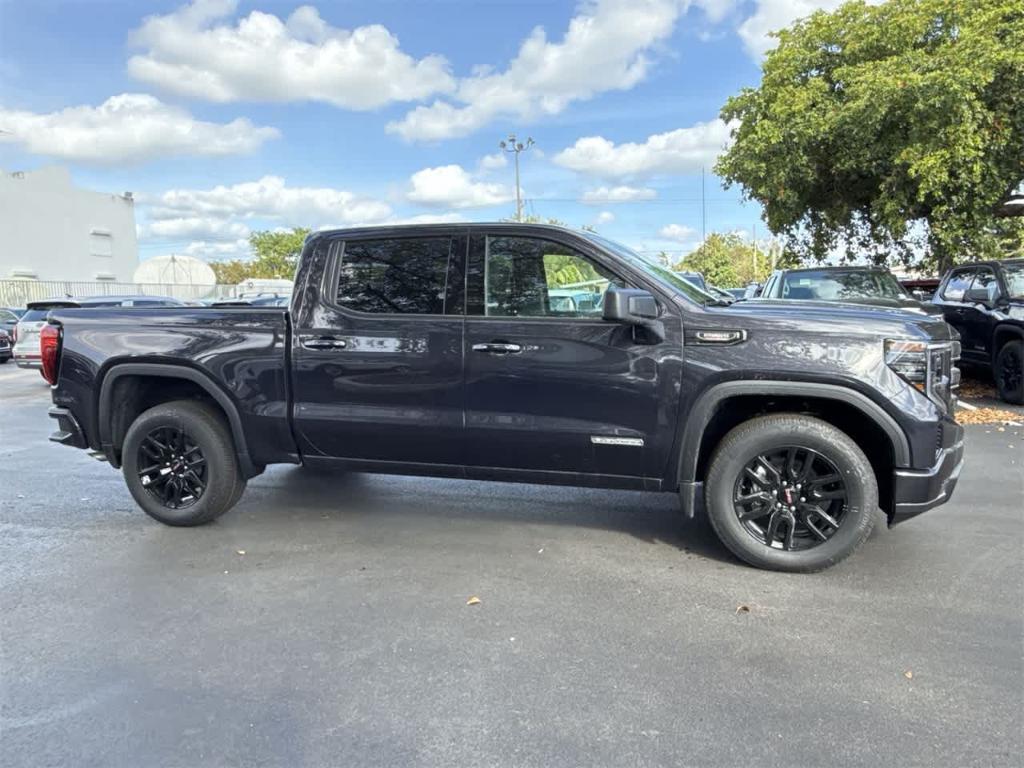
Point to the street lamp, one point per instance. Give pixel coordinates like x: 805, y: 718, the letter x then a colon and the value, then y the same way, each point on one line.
x: 514, y: 146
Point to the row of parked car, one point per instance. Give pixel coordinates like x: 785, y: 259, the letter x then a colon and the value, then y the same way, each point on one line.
x: 19, y: 328
x: 983, y: 301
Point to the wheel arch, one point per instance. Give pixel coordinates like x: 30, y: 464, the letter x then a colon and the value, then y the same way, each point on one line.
x: 723, y: 406
x: 1003, y: 333
x: 112, y: 430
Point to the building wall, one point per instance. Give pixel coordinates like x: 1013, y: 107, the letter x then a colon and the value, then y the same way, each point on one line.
x: 53, y: 230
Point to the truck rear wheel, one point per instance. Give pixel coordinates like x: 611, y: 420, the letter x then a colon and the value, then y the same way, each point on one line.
x: 179, y: 463
x: 789, y: 492
x: 1009, y: 372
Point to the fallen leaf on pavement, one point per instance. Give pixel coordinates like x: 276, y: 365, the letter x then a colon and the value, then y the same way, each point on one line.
x: 909, y: 675
x: 240, y: 551
x: 742, y: 609
x: 474, y: 600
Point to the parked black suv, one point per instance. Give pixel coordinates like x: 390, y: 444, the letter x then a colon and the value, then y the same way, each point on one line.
x: 437, y: 350
x: 985, y: 302
x: 872, y: 286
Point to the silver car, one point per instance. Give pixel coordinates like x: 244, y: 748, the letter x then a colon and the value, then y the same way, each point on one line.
x: 26, y: 332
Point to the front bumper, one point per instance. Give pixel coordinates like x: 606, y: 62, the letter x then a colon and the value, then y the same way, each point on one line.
x: 918, y: 490
x: 68, y: 431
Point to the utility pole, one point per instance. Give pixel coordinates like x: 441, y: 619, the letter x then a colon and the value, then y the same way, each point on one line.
x: 514, y: 146
x: 703, y: 214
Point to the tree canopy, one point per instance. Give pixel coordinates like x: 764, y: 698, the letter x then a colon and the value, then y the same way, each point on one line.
x: 890, y: 130
x: 727, y: 260
x: 275, y: 254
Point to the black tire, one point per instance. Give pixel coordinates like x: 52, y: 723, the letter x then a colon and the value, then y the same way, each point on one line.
x: 1009, y: 372
x: 191, y: 427
x: 5, y: 361
x: 728, y: 483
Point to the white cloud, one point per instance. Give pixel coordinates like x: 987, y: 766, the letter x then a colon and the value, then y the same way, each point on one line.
x: 772, y: 15
x: 188, y: 227
x: 684, y: 150
x: 218, y: 220
x: 269, y: 198
x: 620, y: 194
x: 679, y: 233
x: 604, y: 217
x: 128, y: 128
x: 451, y: 186
x: 493, y: 162
x: 606, y: 47
x: 201, y: 51
x: 213, y: 251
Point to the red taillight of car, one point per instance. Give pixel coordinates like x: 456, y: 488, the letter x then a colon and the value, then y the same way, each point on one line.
x: 49, y: 351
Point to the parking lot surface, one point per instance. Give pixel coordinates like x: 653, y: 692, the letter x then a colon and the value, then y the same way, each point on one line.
x: 324, y: 621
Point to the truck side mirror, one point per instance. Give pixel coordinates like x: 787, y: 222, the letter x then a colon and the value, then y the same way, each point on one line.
x: 629, y: 305
x: 978, y: 296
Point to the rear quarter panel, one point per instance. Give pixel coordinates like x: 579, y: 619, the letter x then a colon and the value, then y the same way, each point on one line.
x: 242, y: 351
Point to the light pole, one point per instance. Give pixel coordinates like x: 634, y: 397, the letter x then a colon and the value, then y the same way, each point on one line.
x: 514, y: 146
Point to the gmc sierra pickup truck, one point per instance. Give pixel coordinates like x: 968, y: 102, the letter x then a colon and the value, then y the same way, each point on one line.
x: 437, y: 350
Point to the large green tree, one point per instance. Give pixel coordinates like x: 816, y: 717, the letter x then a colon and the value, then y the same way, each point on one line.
x: 888, y: 130
x: 275, y: 254
x: 727, y: 260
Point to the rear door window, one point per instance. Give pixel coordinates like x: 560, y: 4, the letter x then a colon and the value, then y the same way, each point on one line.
x: 403, y: 276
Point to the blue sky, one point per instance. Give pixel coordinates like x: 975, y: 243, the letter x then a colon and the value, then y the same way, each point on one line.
x: 223, y: 117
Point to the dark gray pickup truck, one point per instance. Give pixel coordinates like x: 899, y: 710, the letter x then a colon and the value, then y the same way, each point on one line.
x: 436, y: 350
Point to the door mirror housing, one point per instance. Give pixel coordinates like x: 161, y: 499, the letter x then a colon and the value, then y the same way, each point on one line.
x: 633, y: 306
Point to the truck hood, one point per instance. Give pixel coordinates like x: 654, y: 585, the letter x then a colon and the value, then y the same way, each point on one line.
x: 906, y: 304
x: 830, y: 317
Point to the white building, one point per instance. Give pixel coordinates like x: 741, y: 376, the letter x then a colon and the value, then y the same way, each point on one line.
x: 52, y: 230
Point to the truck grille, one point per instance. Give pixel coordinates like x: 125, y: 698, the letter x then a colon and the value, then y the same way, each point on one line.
x: 943, y: 376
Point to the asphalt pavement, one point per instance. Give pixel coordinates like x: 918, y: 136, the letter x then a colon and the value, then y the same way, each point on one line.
x: 324, y: 622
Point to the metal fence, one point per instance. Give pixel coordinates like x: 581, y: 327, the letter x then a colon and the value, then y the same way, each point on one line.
x: 17, y: 293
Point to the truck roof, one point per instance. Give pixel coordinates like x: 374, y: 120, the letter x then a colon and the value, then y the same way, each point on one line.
x: 442, y: 227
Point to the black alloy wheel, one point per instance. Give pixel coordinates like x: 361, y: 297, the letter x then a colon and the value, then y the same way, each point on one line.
x: 791, y: 498
x: 172, y: 467
x: 1010, y: 373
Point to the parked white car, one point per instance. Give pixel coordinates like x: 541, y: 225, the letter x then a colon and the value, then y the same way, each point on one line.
x: 26, y: 332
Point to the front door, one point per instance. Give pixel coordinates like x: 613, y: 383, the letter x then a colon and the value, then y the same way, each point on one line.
x: 953, y: 300
x: 550, y: 386
x: 378, y: 365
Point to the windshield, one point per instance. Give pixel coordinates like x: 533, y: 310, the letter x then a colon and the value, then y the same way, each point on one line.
x: 1015, y: 280
x: 833, y: 285
x: 656, y: 272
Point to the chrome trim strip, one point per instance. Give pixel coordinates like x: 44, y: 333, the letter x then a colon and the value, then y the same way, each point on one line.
x: 634, y: 442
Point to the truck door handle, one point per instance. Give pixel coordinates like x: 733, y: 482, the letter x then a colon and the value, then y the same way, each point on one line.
x: 498, y: 348
x: 323, y: 342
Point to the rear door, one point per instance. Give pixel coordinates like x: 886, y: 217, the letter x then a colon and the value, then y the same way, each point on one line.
x: 377, y: 366
x: 552, y: 388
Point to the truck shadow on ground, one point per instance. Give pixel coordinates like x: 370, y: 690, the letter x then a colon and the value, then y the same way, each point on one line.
x: 352, y: 496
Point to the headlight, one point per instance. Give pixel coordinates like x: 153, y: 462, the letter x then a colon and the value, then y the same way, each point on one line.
x: 929, y: 367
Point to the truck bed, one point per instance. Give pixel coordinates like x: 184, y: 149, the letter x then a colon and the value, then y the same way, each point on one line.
x: 242, y: 352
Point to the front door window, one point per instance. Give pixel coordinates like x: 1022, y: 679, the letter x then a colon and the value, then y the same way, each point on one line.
x: 533, y: 277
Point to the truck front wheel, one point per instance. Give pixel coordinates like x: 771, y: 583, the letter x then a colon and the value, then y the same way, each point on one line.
x: 1009, y: 372
x: 790, y: 492
x: 179, y: 463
